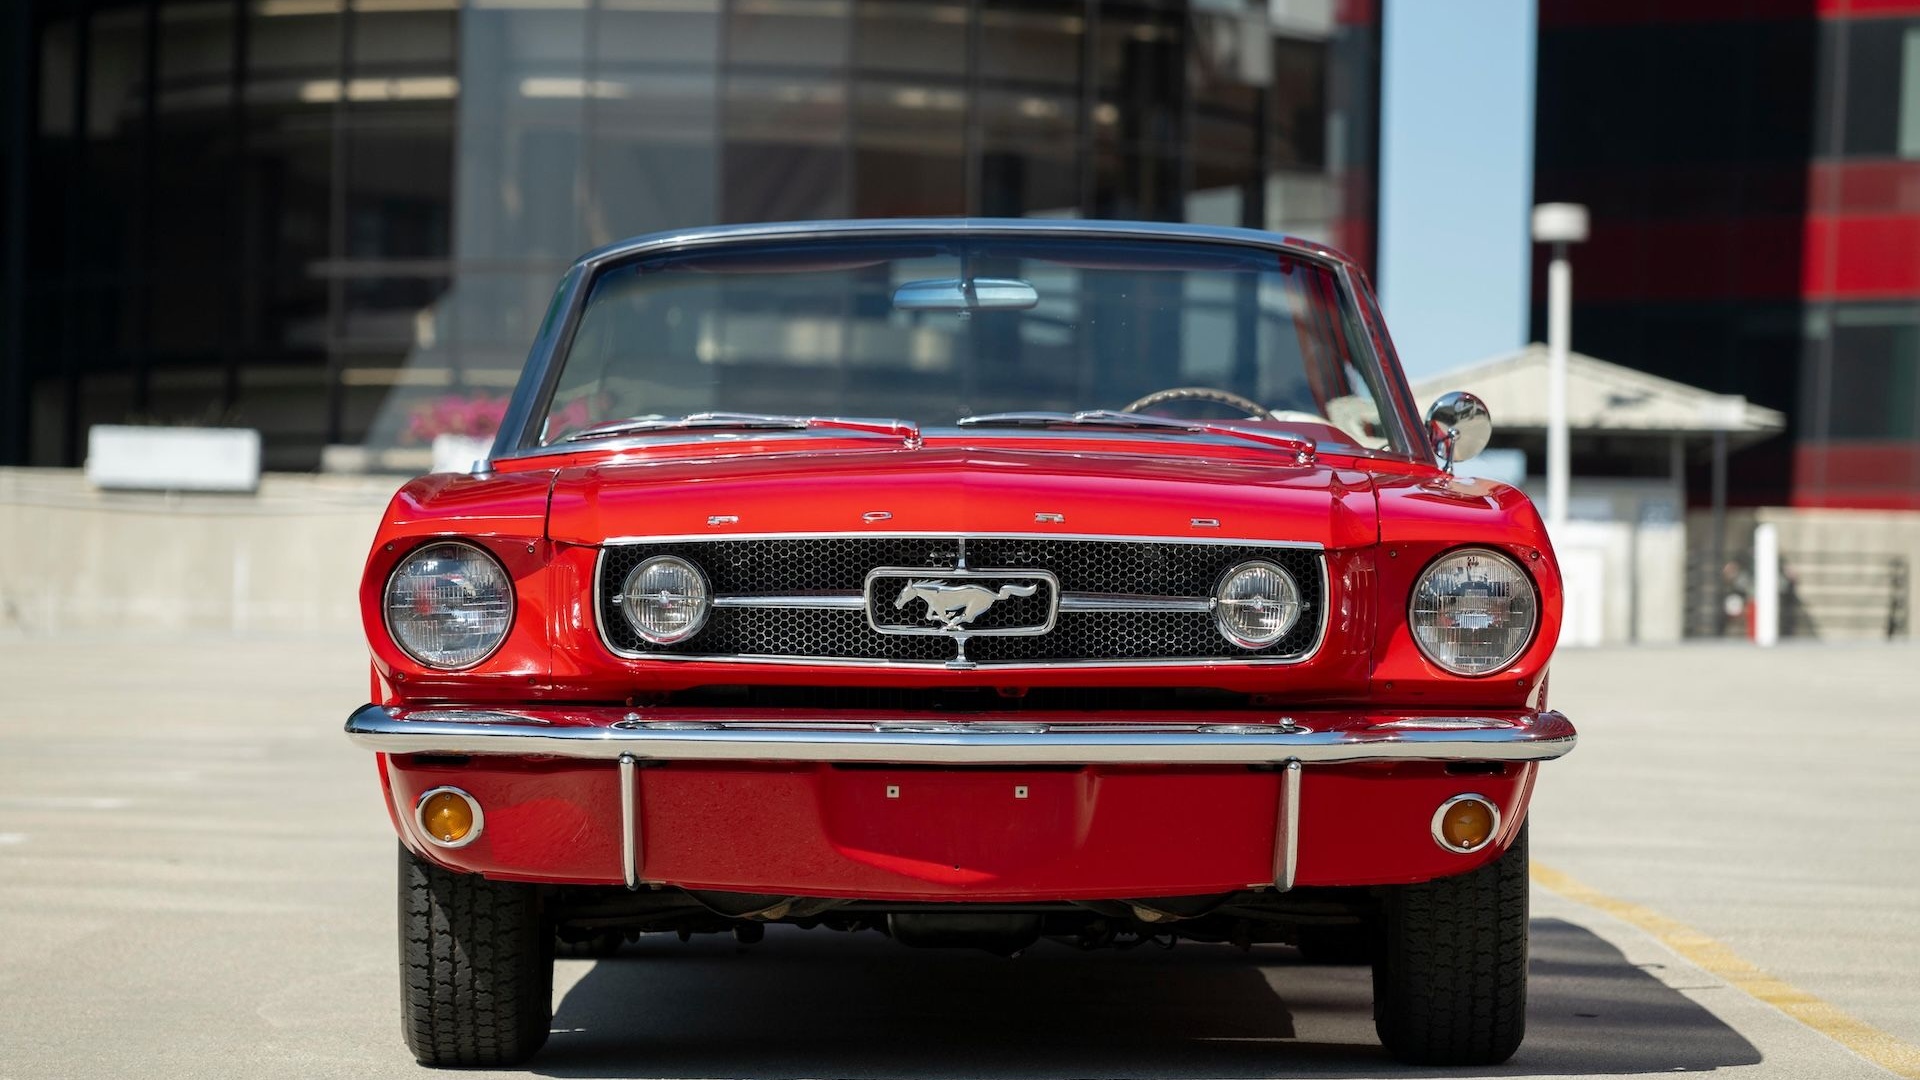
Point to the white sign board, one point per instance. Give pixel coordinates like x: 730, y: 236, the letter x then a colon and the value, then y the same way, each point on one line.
x: 127, y: 458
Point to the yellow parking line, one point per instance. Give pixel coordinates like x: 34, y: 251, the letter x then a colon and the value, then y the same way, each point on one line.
x: 1713, y: 956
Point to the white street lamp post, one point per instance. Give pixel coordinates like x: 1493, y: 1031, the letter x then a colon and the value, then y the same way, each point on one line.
x: 1558, y: 224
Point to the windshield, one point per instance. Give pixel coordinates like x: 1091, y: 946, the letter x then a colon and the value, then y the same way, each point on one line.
x: 937, y: 331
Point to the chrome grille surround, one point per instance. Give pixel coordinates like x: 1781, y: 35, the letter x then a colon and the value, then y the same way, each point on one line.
x: 1120, y: 601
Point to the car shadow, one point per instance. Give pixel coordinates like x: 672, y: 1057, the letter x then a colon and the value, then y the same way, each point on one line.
x: 820, y: 1003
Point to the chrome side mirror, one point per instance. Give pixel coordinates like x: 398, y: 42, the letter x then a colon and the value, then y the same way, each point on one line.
x: 1459, y: 425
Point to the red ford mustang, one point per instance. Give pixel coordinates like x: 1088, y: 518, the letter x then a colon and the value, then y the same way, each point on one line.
x: 971, y: 582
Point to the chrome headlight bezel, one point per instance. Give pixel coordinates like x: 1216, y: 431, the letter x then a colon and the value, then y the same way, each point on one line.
x: 1444, y: 562
x: 1290, y: 595
x: 482, y: 557
x: 703, y: 600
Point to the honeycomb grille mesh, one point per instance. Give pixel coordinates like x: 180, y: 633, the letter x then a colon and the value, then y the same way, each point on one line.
x: 839, y: 566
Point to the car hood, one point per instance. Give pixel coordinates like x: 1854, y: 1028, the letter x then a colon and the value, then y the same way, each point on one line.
x: 966, y: 489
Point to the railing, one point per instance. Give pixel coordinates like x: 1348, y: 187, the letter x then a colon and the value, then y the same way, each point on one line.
x: 1822, y: 595
x: 1851, y: 594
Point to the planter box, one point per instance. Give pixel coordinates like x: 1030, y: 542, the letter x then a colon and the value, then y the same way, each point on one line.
x: 125, y: 458
x: 355, y: 460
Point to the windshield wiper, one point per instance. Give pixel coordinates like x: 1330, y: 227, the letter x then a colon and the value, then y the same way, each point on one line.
x: 1302, y: 448
x: 1089, y: 418
x: 905, y: 430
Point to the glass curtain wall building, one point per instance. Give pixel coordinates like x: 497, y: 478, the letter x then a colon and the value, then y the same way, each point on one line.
x: 339, y: 220
x: 1754, y: 176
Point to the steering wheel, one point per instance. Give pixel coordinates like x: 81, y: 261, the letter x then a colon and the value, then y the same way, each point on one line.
x: 1254, y: 409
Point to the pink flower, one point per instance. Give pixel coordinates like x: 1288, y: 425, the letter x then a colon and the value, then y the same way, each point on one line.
x: 478, y: 415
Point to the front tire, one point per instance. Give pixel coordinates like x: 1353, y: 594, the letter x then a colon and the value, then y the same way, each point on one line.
x: 1450, y: 983
x: 476, y: 967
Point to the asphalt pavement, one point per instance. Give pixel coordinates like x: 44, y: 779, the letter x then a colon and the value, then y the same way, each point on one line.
x: 196, y: 880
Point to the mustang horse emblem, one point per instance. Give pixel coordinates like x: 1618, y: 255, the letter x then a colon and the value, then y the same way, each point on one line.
x: 954, y: 606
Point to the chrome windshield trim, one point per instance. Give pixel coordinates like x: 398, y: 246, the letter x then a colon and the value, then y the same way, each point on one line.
x: 687, y: 239
x: 1541, y: 737
x: 533, y: 392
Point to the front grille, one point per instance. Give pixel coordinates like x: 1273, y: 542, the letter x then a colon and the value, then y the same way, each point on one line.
x: 836, y: 569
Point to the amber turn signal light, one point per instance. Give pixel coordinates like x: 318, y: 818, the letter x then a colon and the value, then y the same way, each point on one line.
x: 1465, y: 823
x: 449, y: 817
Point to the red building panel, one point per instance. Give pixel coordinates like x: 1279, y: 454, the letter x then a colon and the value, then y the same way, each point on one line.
x: 1847, y: 188
x: 1565, y: 13
x: 1866, y: 9
x: 1862, y: 258
x: 1687, y: 259
x: 1880, y: 475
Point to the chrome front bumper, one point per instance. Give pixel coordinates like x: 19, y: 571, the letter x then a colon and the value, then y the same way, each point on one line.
x: 627, y: 739
x: 677, y: 735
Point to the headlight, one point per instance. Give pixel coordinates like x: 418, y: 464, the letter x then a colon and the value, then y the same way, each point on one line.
x: 1255, y: 604
x: 1473, y: 610
x: 665, y: 599
x: 449, y: 605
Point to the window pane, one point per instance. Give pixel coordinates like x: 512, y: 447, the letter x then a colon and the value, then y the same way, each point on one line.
x: 109, y: 189
x: 1032, y: 42
x: 785, y: 156
x: 53, y: 159
x: 910, y: 157
x: 399, y: 183
x: 1872, y: 390
x: 1876, y: 87
x: 638, y: 34
x: 290, y: 403
x: 1910, y: 93
x: 522, y: 140
x: 404, y: 40
x: 1142, y: 72
x: 923, y: 38
x: 789, y: 33
x: 196, y: 44
x: 188, y: 315
x: 295, y: 42
x: 289, y: 178
x: 1227, y: 76
x: 1299, y: 111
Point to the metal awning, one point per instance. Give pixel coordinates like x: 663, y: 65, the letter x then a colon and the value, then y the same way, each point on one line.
x: 1603, y: 398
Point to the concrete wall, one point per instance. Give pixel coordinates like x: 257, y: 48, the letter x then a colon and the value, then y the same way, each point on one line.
x: 286, y: 559
x: 1625, y: 581
x: 1623, y: 554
